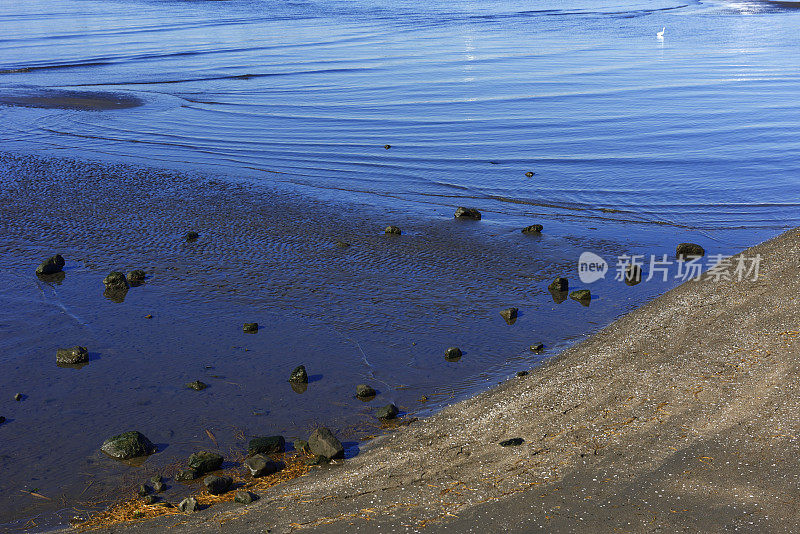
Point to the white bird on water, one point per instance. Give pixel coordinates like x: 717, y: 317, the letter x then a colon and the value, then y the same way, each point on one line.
x: 660, y: 34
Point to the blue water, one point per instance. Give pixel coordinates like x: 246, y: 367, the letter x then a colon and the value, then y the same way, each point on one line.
x: 636, y: 143
x: 698, y: 130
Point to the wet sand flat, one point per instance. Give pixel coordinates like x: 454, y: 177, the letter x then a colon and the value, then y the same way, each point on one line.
x: 380, y: 311
x: 680, y: 416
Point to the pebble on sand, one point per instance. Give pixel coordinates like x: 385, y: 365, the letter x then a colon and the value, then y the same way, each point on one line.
x: 513, y: 442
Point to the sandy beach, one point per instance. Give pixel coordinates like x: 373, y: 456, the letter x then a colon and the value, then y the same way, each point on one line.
x: 680, y: 416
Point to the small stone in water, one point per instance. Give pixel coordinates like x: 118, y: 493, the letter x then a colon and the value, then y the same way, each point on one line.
x: 197, y: 385
x: 452, y: 354
x: 18, y: 397
x: 250, y: 327
x: 537, y: 347
x: 393, y: 230
x: 529, y: 174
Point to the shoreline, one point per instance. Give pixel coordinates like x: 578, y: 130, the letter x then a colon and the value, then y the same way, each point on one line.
x: 382, y: 310
x: 681, y: 414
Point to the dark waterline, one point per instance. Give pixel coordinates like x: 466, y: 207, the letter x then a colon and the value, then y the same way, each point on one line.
x: 270, y: 119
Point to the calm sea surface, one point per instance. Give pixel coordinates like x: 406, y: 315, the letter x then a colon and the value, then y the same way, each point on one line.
x: 636, y: 143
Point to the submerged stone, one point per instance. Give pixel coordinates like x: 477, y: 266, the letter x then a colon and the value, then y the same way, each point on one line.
x: 452, y: 354
x: 191, y: 235
x: 185, y: 475
x: 581, y: 295
x: 510, y: 315
x: 197, y: 385
x: 633, y: 275
x: 388, y: 412
x: 363, y: 391
x: 533, y: 229
x: 299, y: 375
x: 128, y: 445
x: 267, y: 445
x: 467, y: 213
x: 51, y: 265
x: 322, y: 442
x: 72, y: 356
x: 136, y: 277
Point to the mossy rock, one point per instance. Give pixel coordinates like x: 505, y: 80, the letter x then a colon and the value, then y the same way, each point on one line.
x: 205, y: 461
x: 128, y: 445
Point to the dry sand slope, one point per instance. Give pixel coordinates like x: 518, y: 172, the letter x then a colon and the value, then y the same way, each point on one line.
x: 681, y: 416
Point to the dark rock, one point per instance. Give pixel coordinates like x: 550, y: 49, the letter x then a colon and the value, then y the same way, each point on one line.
x: 217, y: 485
x: 301, y: 445
x: 136, y: 277
x: 363, y: 391
x: 250, y: 328
x: 559, y: 284
x: 260, y: 465
x: 558, y: 296
x: 243, y: 497
x: 143, y: 490
x: 191, y: 235
x: 684, y: 250
x: 513, y: 442
x: 2, y: 419
x: 529, y: 174
x: 322, y: 442
x: 72, y: 356
x: 452, y: 354
x: 537, y: 347
x: 522, y: 373
x: 467, y: 213
x: 342, y: 244
x: 184, y: 475
x: 51, y: 265
x: 299, y: 375
x: 387, y: 147
x: 394, y: 230
x: 116, y: 281
x: 18, y: 397
x: 189, y: 504
x: 533, y: 229
x: 389, y: 411
x: 197, y: 385
x: 581, y: 295
x: 149, y: 499
x: 633, y: 275
x: 510, y: 315
x: 266, y: 445
x: 128, y: 445
x: 205, y: 462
